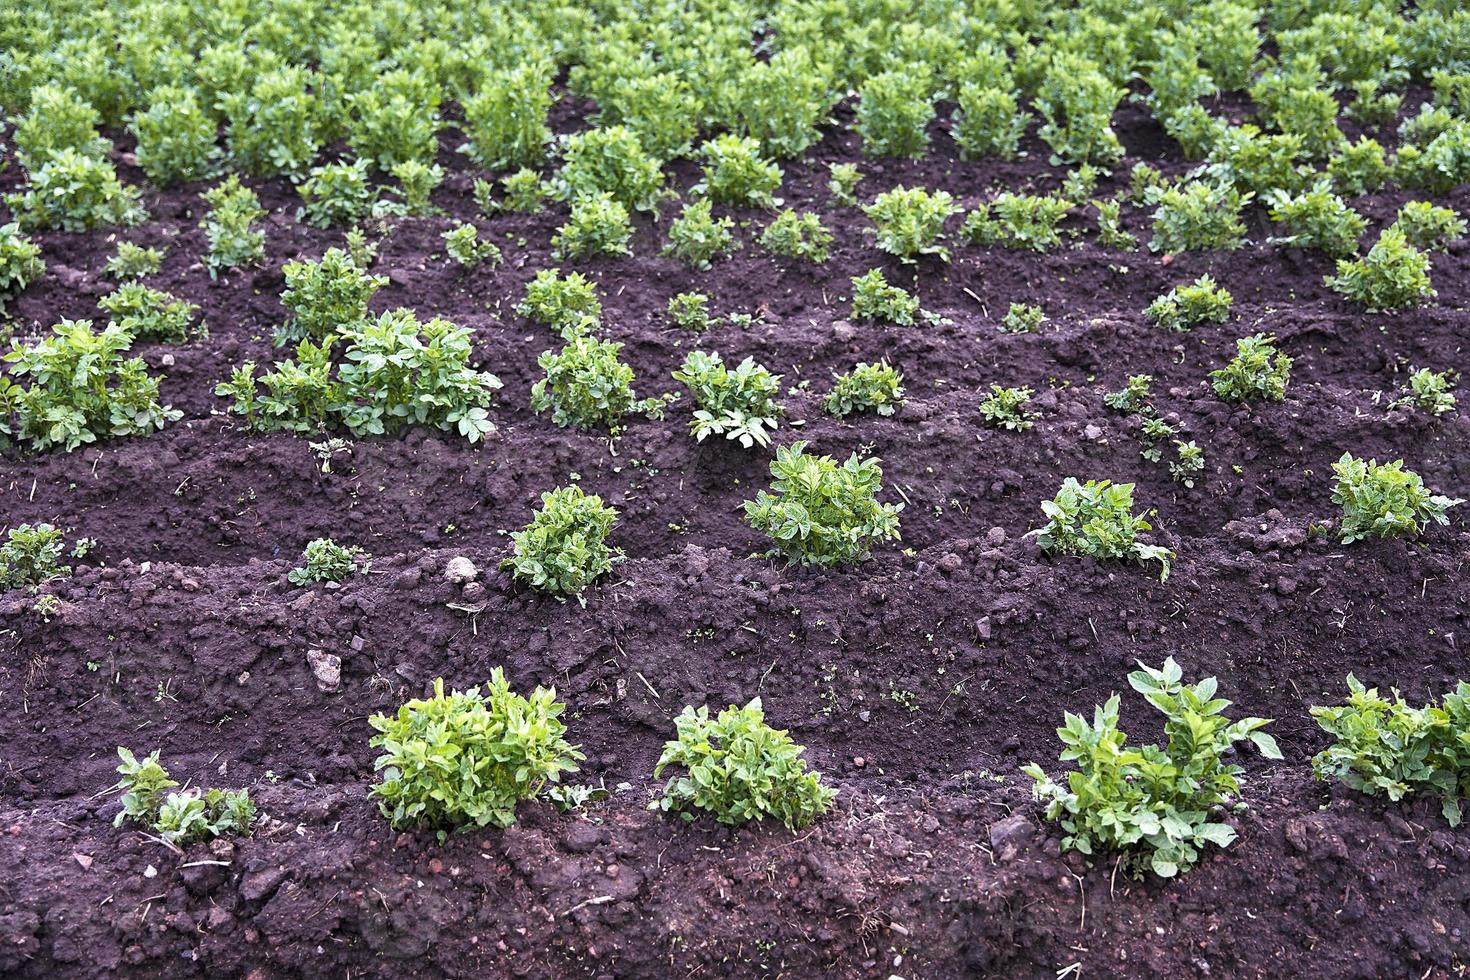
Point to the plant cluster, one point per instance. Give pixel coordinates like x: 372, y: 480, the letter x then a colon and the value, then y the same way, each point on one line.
x: 893, y: 114
x: 31, y: 556
x: 234, y: 239
x: 75, y: 192
x: 1384, y: 500
x: 465, y: 246
x: 1196, y: 216
x: 1157, y: 805
x: 1007, y: 408
x: 797, y: 235
x: 1185, y: 307
x: 821, y: 513
x: 564, y: 303
x: 909, y: 222
x: 1257, y: 372
x: 588, y: 386
x: 1019, y: 221
x: 598, y: 225
x: 866, y: 388
x: 180, y: 818
x: 736, y: 174
x: 1429, y: 227
x: 175, y: 137
x: 324, y: 560
x: 325, y: 297
x: 1317, y: 218
x: 1390, y: 748
x: 873, y: 298
x: 1096, y: 520
x: 1430, y: 391
x: 564, y: 548
x: 81, y: 390
x: 697, y: 238
x: 20, y: 262
x: 151, y: 314
x: 1394, y: 275
x: 133, y: 262
x: 737, y: 404
x: 739, y: 768
x: 464, y: 760
x: 394, y: 372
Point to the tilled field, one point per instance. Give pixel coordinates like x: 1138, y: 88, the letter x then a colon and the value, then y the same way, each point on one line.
x: 919, y: 681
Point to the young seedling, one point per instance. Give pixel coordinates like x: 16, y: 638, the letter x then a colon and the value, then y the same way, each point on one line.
x: 1007, y: 408
x: 737, y: 404
x: 324, y: 560
x: 866, y: 388
x: 1384, y: 500
x: 1185, y: 307
x: 821, y: 513
x: 564, y: 548
x: 1096, y: 520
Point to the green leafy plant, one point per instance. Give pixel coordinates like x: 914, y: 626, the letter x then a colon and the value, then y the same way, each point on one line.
x: 874, y: 299
x: 822, y: 513
x: 1394, y: 275
x: 1155, y: 804
x: 178, y: 818
x: 610, y: 160
x: 505, y: 119
x: 234, y: 240
x: 20, y: 262
x: 988, y: 122
x: 464, y: 245
x: 739, y: 769
x: 893, y: 114
x: 1076, y: 102
x: 336, y: 194
x: 598, y: 225
x: 324, y: 560
x: 464, y: 760
x: 842, y: 181
x: 75, y: 192
x: 1022, y: 318
x: 1110, y: 231
x: 1095, y: 519
x: 1429, y: 391
x: 564, y: 548
x: 1429, y: 227
x: 395, y: 120
x: 661, y: 108
x: 1384, y: 500
x: 1317, y: 218
x: 797, y: 235
x: 57, y: 120
x: 175, y: 137
x: 1185, y: 307
x: 416, y: 183
x: 1196, y: 216
x: 735, y: 173
x: 697, y: 238
x: 525, y: 193
x: 1390, y: 748
x: 31, y: 556
x: 1007, y: 408
x: 1132, y: 398
x: 588, y: 386
x: 1359, y: 167
x: 909, y: 222
x: 1019, y: 221
x: 565, y: 303
x: 737, y: 404
x: 866, y: 388
x: 1188, y: 463
x: 1154, y: 433
x: 395, y: 372
x: 1439, y: 166
x: 690, y: 311
x: 325, y: 297
x: 131, y: 262
x: 274, y: 122
x: 1258, y: 372
x: 81, y: 389
x: 151, y: 314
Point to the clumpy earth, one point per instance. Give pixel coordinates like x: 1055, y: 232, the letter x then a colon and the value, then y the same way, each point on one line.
x: 919, y: 681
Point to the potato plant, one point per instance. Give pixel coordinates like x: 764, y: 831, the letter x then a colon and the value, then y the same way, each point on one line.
x: 324, y: 560
x: 564, y: 548
x: 75, y: 192
x: 587, y: 386
x: 876, y: 387
x: 1007, y: 408
x: 738, y: 768
x: 132, y: 262
x: 325, y: 297
x: 797, y: 235
x: 697, y: 238
x: 737, y: 403
x: 873, y: 298
x: 567, y: 304
x: 230, y: 226
x: 1384, y: 500
x: 1158, y: 807
x: 20, y: 262
x: 31, y: 556
x: 193, y: 814
x: 893, y: 114
x: 465, y: 760
x: 1185, y: 307
x: 909, y: 222
x: 736, y: 174
x: 1096, y: 520
x: 465, y: 246
x: 1258, y: 372
x: 821, y: 513
x: 599, y: 225
x: 1394, y: 275
x: 152, y: 314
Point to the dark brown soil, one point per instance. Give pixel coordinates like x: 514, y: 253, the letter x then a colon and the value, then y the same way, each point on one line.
x: 919, y: 681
